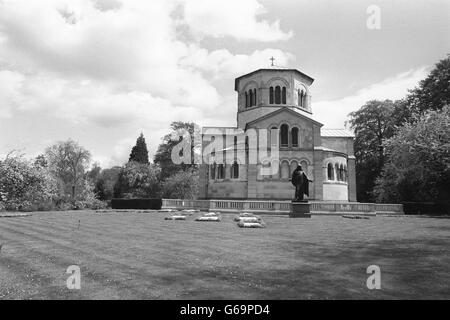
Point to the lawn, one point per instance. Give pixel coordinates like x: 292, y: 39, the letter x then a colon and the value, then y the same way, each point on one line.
x: 142, y: 256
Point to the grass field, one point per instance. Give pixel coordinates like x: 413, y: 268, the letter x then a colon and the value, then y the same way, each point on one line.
x: 142, y: 256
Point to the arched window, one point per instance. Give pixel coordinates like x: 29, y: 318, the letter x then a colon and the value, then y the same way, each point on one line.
x: 277, y: 95
x: 330, y: 172
x: 254, y: 97
x: 294, y: 165
x: 220, y: 171
x: 304, y: 165
x: 234, y: 170
x: 271, y: 95
x: 301, y: 95
x: 341, y: 173
x: 284, y: 135
x: 213, y: 171
x: 274, y: 136
x: 284, y: 170
x: 284, y: 95
x: 294, y: 134
x: 246, y: 99
x: 251, y: 98
x: 336, y: 171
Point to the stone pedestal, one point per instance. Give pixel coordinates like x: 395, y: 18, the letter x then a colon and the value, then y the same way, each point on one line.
x: 300, y: 209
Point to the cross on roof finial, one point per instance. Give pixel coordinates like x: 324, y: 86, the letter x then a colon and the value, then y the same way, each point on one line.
x: 272, y: 60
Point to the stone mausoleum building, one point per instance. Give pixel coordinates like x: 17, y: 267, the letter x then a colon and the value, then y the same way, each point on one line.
x: 278, y: 100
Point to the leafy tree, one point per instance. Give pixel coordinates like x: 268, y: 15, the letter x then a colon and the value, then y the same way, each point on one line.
x: 372, y: 124
x: 40, y: 161
x: 139, y: 153
x: 68, y: 162
x: 181, y: 185
x: 104, y: 185
x: 25, y: 185
x: 94, y: 174
x: 137, y: 180
x: 418, y: 163
x: 433, y: 93
x: 163, y: 156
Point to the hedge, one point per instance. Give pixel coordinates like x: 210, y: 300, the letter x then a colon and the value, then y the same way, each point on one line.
x: 427, y: 208
x: 141, y: 203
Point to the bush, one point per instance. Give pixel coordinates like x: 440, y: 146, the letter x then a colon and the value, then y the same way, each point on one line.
x: 155, y: 204
x: 428, y: 208
x: 137, y: 180
x: 181, y: 185
x: 25, y: 185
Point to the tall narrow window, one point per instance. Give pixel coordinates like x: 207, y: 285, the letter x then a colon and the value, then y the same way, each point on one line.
x: 246, y: 99
x: 284, y: 95
x: 255, y: 102
x: 300, y: 97
x: 284, y: 170
x: 235, y: 170
x: 284, y: 135
x: 271, y: 95
x: 277, y: 95
x: 220, y: 171
x: 330, y: 172
x: 294, y: 133
x: 274, y: 136
x: 251, y: 98
x: 336, y: 171
x: 213, y: 171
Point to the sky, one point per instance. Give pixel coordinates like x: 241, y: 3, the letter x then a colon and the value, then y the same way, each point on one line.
x: 102, y: 71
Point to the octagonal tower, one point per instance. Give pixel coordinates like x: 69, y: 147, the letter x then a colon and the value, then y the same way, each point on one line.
x: 266, y: 90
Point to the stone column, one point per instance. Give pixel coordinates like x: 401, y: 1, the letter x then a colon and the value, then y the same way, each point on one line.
x: 351, y: 179
x: 317, y: 163
x: 252, y: 172
x: 318, y: 174
x: 203, y: 181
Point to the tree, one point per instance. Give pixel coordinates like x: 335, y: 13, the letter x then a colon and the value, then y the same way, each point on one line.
x: 68, y: 161
x: 25, y: 185
x: 104, y: 185
x: 163, y: 156
x: 181, y: 185
x: 433, y: 93
x: 94, y: 174
x: 139, y: 153
x: 137, y: 180
x: 418, y: 161
x: 372, y: 124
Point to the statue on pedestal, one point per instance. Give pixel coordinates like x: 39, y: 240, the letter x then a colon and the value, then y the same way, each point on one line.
x: 301, y: 184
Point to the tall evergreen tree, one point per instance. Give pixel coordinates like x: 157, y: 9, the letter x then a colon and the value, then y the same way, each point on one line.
x: 139, y: 153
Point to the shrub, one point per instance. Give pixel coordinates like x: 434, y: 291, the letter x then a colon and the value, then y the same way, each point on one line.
x: 155, y: 204
x: 181, y: 185
x: 137, y: 180
x: 24, y: 185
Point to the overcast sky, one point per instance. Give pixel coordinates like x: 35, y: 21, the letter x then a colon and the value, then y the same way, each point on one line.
x: 102, y: 71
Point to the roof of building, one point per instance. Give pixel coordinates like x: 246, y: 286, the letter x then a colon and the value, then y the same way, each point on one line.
x: 271, y: 68
x: 294, y: 110
x: 325, y: 132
